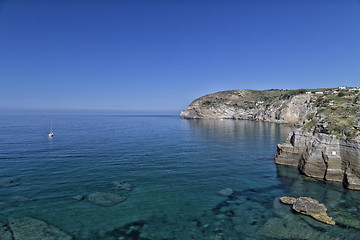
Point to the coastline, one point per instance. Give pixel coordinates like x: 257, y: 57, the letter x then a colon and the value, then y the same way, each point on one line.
x: 326, y: 143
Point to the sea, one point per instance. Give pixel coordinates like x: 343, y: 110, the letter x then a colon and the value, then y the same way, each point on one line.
x: 177, y: 168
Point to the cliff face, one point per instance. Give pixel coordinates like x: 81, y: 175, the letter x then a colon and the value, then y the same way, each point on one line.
x: 322, y: 155
x: 271, y: 105
x: 327, y: 144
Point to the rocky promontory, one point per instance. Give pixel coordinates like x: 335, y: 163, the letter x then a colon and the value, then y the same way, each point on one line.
x: 281, y: 106
x: 327, y: 143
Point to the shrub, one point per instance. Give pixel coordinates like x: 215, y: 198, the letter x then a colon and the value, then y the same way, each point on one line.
x: 341, y: 94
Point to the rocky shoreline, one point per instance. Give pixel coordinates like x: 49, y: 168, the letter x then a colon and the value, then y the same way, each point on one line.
x: 327, y: 143
x: 322, y: 155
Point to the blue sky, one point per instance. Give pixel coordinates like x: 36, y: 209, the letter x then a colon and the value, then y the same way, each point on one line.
x: 162, y: 54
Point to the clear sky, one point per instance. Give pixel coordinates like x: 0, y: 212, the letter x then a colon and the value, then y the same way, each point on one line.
x: 162, y: 54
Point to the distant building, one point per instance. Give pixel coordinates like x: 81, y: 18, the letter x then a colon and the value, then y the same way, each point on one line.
x: 335, y: 92
x: 308, y: 93
x: 259, y: 103
x: 342, y: 88
x: 319, y: 93
x: 354, y: 89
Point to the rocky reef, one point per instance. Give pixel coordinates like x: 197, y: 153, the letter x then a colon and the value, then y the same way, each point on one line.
x: 27, y: 228
x: 327, y: 143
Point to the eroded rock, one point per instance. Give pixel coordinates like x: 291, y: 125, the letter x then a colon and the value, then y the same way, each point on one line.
x: 226, y: 192
x: 310, y: 207
x: 288, y: 200
x: 123, y: 186
x: 78, y: 197
x: 28, y: 228
x: 105, y: 199
x: 322, y: 155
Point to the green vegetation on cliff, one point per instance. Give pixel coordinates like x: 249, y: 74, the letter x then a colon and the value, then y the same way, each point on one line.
x: 339, y: 114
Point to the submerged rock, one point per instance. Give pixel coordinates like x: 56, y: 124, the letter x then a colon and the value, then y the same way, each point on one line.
x: 9, y: 182
x: 5, y: 233
x: 105, y: 199
x: 288, y: 200
x: 226, y: 192
x: 78, y: 197
x: 123, y: 186
x: 310, y: 207
x: 279, y: 228
x: 28, y: 228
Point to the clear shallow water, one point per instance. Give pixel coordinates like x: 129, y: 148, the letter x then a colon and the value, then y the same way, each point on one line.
x: 177, y: 166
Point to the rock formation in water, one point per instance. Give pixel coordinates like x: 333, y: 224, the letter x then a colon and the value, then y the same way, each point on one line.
x: 28, y: 228
x: 327, y: 144
x: 226, y: 192
x: 123, y: 186
x: 310, y: 207
x: 105, y: 199
x: 323, y: 155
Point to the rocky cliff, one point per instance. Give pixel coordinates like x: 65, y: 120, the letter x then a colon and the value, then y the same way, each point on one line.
x: 327, y: 144
x: 280, y: 106
x: 321, y: 154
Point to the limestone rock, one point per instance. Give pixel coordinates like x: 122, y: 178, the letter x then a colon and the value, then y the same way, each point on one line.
x: 310, y: 207
x: 123, y: 186
x: 288, y: 200
x: 28, y: 228
x: 105, y: 199
x: 78, y: 197
x: 226, y: 192
x: 322, y: 155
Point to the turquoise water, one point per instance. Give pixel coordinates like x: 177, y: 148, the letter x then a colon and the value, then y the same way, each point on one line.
x: 177, y: 167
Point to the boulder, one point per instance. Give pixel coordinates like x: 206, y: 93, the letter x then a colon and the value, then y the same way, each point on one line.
x: 78, y: 197
x: 105, y: 199
x: 123, y: 186
x: 310, y: 207
x: 28, y: 228
x: 288, y: 200
x: 226, y: 192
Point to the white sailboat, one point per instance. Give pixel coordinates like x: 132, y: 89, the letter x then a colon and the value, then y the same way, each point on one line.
x: 51, y: 134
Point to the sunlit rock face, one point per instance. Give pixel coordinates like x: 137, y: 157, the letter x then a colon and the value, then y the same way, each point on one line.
x: 269, y: 105
x: 323, y: 156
